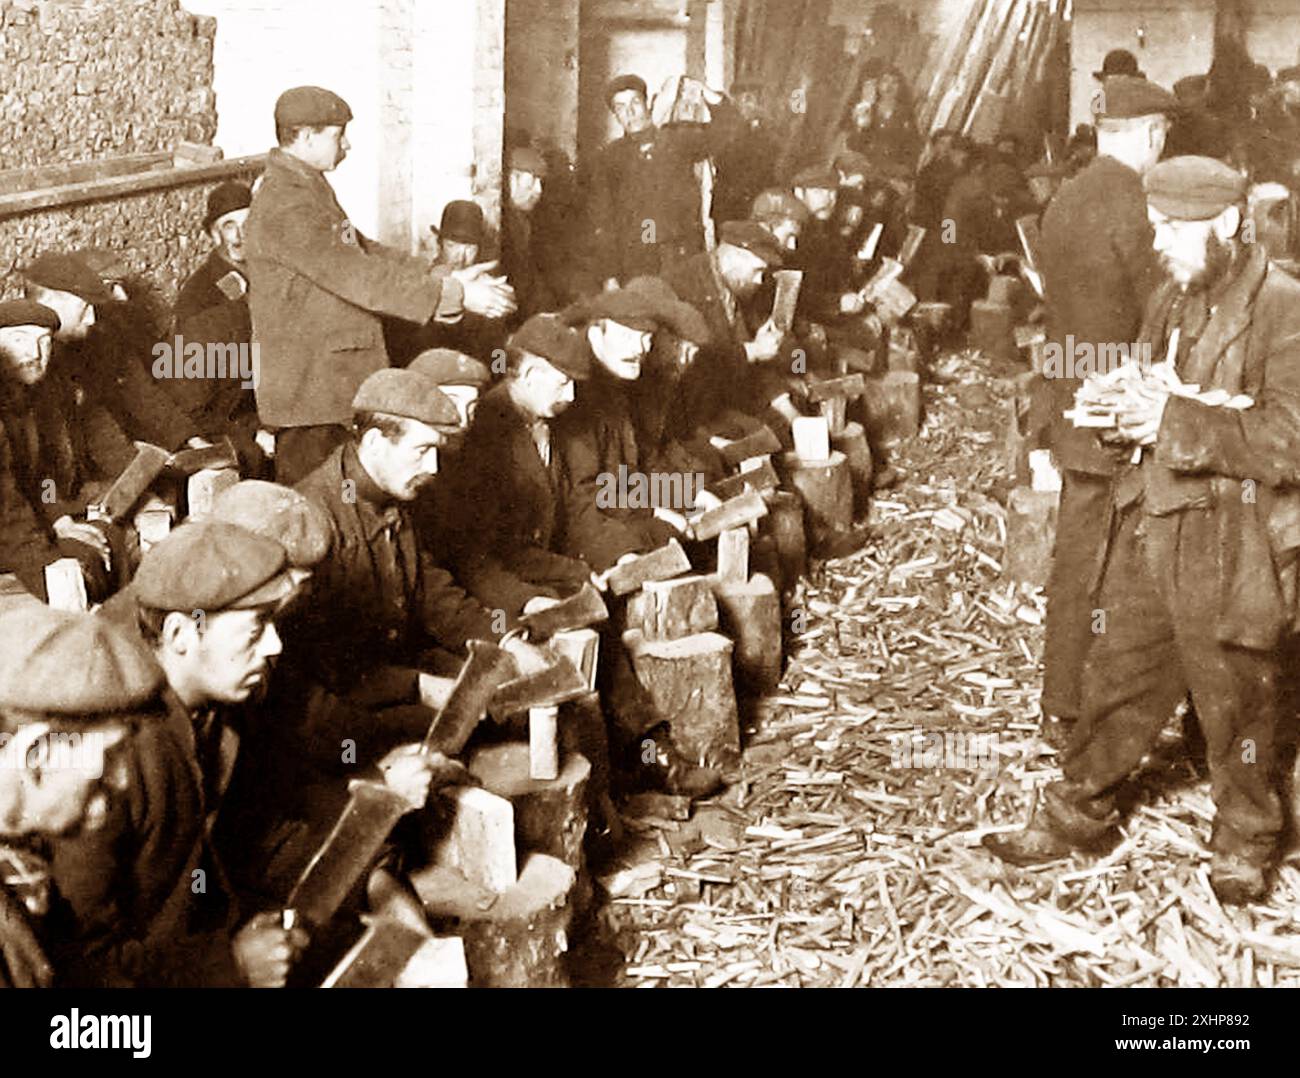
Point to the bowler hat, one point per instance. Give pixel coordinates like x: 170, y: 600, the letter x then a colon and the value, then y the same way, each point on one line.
x: 1118, y: 62
x: 462, y: 222
x: 226, y: 198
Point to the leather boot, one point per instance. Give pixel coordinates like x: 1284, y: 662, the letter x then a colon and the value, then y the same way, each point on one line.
x: 1236, y: 879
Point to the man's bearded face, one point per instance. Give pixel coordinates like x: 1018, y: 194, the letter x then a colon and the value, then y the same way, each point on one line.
x: 26, y: 353
x: 1190, y: 251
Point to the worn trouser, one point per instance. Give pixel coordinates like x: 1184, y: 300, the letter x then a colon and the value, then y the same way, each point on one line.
x: 1081, y: 523
x: 1160, y: 598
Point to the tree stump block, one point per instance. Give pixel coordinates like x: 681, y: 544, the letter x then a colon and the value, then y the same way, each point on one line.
x: 583, y: 731
x: 992, y: 330
x: 751, y: 616
x: 1031, y: 534
x: 852, y: 442
x: 550, y: 815
x: 689, y: 686
x: 785, y: 516
x: 826, y: 489
x: 892, y: 407
x: 477, y: 836
x: 514, y: 940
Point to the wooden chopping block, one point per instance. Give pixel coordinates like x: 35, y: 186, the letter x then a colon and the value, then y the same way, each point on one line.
x: 1031, y: 534
x: 550, y: 815
x: 514, y: 940
x: 786, y: 525
x: 751, y: 616
x: 765, y: 557
x: 583, y: 731
x: 852, y: 442
x: 689, y: 686
x: 893, y: 408
x: 992, y: 330
x: 826, y: 489
x: 733, y: 556
x: 204, y: 486
x: 904, y: 352
x: 672, y: 609
x: 479, y: 840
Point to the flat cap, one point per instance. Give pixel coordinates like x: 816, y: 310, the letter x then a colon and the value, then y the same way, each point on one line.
x: 774, y: 204
x: 753, y: 238
x: 26, y: 312
x: 447, y: 367
x: 462, y: 222
x: 63, y: 272
x: 213, y: 566
x: 61, y: 662
x: 1125, y: 96
x: 681, y: 319
x: 1118, y: 62
x: 563, y: 347
x: 277, y: 512
x: 624, y: 82
x: 1194, y: 188
x: 110, y: 265
x: 311, y: 106
x: 226, y: 198
x: 526, y: 159
x: 816, y: 176
x: 850, y: 162
x: 409, y: 394
x: 632, y: 309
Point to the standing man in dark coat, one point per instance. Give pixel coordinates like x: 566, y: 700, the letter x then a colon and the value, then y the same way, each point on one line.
x: 645, y: 197
x: 1198, y: 563
x: 317, y: 287
x: 749, y: 162
x: 525, y: 174
x: 1098, y: 269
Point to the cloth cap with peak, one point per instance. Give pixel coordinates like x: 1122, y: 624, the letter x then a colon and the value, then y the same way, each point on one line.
x: 62, y: 272
x: 563, y: 347
x: 447, y: 367
x: 311, y: 106
x: 681, y: 319
x: 277, y: 512
x: 775, y: 204
x: 26, y: 312
x: 1191, y: 188
x: 1124, y: 97
x: 526, y: 159
x: 59, y: 662
x: 408, y: 394
x: 210, y: 565
x: 624, y: 82
x: 754, y: 238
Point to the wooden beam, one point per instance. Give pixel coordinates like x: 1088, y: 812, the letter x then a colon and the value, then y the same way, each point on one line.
x: 94, y: 190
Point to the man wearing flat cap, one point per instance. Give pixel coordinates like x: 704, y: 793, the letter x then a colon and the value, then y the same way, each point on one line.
x: 47, y: 473
x: 1198, y: 577
x: 318, y: 288
x: 525, y: 175
x: 502, y: 507
x: 212, y: 310
x: 645, y: 209
x: 144, y: 901
x: 384, y: 614
x: 102, y: 347
x: 54, y: 698
x: 1098, y: 269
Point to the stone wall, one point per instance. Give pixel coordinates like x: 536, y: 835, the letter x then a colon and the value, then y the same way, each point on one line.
x: 97, y: 79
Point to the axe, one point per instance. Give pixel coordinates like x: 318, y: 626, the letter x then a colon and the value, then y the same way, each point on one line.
x: 125, y: 491
x: 221, y: 454
x: 833, y: 396
x: 736, y: 513
x: 482, y: 674
x: 758, y: 444
x: 576, y: 612
x: 762, y: 478
x: 911, y: 244
x: 668, y: 561
x: 554, y: 685
x: 788, y: 283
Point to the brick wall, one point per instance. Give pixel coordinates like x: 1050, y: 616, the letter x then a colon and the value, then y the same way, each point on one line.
x: 89, y: 80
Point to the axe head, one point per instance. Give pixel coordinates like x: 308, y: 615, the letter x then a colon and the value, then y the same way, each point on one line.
x: 486, y: 670
x: 762, y: 441
x: 668, y: 561
x: 576, y: 612
x: 848, y: 387
x: 554, y: 685
x: 221, y: 454
x: 739, y: 511
x: 136, y: 478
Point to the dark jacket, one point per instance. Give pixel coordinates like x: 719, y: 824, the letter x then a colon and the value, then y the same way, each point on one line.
x: 378, y: 599
x: 316, y: 290
x: 501, y: 512
x: 130, y: 908
x: 1205, y: 457
x: 595, y: 436
x: 519, y: 260
x: 650, y: 177
x: 1098, y: 270
x: 207, y: 313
